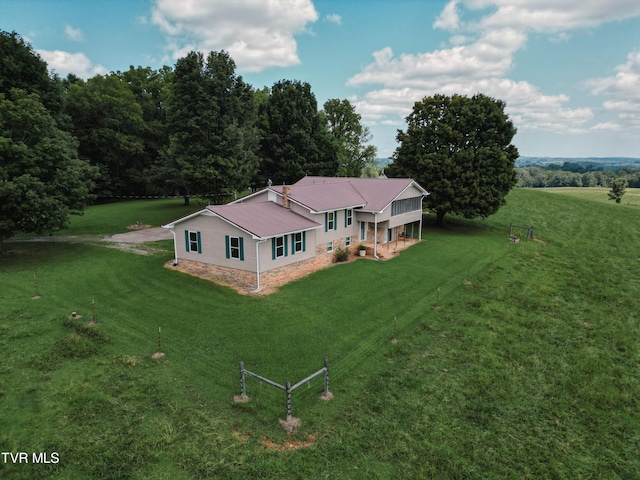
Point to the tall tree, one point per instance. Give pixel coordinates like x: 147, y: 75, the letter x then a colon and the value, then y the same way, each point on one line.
x: 150, y: 90
x: 351, y: 138
x: 295, y: 139
x: 22, y: 68
x: 211, y: 119
x: 459, y: 148
x: 109, y: 125
x: 42, y: 180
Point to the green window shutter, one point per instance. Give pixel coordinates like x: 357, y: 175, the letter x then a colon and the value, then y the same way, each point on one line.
x: 345, y: 218
x: 286, y: 246
x: 293, y: 244
x: 335, y: 220
x: 227, y: 246
x: 304, y: 241
x: 326, y: 222
x: 241, y: 241
x: 186, y: 239
x: 273, y: 249
x: 199, y: 244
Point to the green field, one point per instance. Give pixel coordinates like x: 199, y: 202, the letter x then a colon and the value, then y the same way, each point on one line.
x: 599, y: 194
x: 529, y: 369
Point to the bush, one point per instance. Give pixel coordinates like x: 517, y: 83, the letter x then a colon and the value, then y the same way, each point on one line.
x: 341, y: 255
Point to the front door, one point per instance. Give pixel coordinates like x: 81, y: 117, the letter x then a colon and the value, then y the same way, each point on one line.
x: 363, y: 231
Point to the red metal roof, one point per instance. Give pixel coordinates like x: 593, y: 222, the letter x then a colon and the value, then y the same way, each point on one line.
x: 263, y: 219
x: 334, y: 193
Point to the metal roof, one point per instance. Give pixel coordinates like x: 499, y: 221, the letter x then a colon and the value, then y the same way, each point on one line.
x: 263, y: 219
x: 334, y: 193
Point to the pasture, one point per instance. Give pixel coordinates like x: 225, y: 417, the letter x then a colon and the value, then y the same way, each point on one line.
x: 512, y: 360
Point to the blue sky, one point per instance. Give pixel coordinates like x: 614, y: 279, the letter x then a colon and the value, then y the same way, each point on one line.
x: 569, y: 71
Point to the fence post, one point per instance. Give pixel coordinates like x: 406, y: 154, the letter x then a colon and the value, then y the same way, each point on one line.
x: 326, y: 376
x: 288, y: 392
x: 243, y: 388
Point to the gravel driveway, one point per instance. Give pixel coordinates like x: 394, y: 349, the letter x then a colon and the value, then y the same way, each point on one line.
x: 141, y: 236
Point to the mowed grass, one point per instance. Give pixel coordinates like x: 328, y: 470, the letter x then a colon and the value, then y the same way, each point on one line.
x: 530, y: 369
x: 112, y: 218
x: 631, y: 196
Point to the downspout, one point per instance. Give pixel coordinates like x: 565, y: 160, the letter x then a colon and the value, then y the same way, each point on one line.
x: 420, y: 231
x: 258, y: 264
x: 375, y: 236
x: 175, y: 248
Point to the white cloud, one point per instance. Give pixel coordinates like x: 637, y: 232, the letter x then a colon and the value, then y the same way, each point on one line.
x: 485, y: 36
x: 623, y: 90
x: 257, y: 34
x: 64, y: 63
x: 74, y: 34
x: 334, y: 18
x: 611, y: 126
x: 448, y: 19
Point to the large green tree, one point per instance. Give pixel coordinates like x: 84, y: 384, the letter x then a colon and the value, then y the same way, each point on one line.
x: 459, y: 148
x: 42, y: 180
x: 295, y: 138
x: 351, y: 138
x: 150, y: 89
x: 109, y: 125
x: 22, y: 68
x: 211, y: 117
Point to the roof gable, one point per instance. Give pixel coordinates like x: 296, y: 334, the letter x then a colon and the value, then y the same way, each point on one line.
x: 263, y: 219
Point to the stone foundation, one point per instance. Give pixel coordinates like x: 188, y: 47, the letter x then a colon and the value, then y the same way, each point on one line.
x: 246, y: 282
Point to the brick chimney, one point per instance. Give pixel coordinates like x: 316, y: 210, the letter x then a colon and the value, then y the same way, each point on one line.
x: 286, y: 190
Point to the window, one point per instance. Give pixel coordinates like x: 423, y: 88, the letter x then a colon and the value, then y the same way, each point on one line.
x: 330, y: 246
x: 347, y: 241
x: 298, y: 241
x: 398, y: 207
x: 234, y: 247
x: 330, y: 221
x: 363, y: 231
x: 278, y: 247
x: 192, y: 241
x: 348, y: 217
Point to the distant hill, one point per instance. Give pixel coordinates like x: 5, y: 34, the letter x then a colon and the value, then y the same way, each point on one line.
x: 606, y: 163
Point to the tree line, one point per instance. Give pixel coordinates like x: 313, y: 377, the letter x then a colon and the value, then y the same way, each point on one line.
x: 552, y: 176
x: 197, y: 128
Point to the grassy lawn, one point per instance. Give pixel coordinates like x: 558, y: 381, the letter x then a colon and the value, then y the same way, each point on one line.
x: 531, y: 370
x: 599, y: 194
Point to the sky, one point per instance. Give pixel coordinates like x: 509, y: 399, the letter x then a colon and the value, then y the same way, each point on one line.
x: 568, y: 70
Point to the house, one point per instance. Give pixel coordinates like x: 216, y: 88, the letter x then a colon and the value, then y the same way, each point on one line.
x: 281, y: 233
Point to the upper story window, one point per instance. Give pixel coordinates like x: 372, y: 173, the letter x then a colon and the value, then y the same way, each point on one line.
x: 398, y: 207
x: 330, y: 222
x: 348, y: 217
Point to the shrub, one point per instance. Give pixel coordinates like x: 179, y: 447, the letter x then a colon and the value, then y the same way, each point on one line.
x: 341, y: 255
